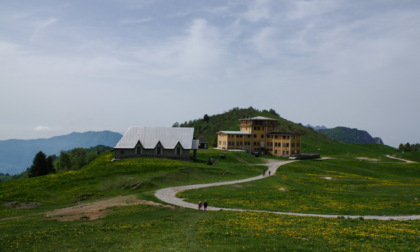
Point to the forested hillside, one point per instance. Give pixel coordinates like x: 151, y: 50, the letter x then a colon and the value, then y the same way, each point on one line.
x: 206, y: 129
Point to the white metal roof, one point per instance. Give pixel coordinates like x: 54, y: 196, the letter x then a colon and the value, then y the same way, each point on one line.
x: 259, y: 118
x: 235, y: 132
x: 149, y: 137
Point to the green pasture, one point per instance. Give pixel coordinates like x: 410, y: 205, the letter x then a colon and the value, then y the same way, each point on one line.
x: 335, y: 186
x: 150, y: 228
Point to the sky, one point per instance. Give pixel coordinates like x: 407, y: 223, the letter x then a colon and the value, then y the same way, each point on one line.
x: 95, y: 65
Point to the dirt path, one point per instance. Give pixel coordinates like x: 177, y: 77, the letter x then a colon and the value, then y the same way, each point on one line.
x: 405, y: 160
x: 168, y: 195
x: 98, y: 209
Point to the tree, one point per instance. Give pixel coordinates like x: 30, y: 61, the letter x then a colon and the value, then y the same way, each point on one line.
x: 206, y: 118
x: 64, y: 162
x: 175, y: 125
x: 401, y: 147
x: 407, y: 147
x: 78, y: 158
x: 41, y: 165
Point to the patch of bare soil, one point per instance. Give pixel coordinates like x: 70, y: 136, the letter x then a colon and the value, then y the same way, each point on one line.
x: 21, y: 205
x: 98, y: 209
x: 367, y: 159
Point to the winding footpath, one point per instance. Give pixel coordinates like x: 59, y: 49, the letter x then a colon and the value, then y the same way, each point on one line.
x: 168, y: 195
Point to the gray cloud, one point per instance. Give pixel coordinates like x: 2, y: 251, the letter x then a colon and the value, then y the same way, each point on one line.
x: 320, y: 62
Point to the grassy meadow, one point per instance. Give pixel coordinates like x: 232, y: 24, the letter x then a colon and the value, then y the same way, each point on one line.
x: 334, y: 186
x: 153, y: 228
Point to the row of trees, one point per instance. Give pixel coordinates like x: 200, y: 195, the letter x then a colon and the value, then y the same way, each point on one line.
x: 409, y: 148
x: 72, y: 160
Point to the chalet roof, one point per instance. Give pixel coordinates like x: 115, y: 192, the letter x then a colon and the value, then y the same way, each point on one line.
x: 149, y: 137
x: 235, y: 132
x: 259, y: 118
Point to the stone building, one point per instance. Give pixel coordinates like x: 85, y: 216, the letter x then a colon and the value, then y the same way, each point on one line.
x: 162, y: 142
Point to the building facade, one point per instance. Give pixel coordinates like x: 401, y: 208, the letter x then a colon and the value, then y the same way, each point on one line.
x: 260, y: 134
x: 174, y: 143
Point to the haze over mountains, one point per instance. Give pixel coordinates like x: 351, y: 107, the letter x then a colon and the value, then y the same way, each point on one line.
x: 17, y: 155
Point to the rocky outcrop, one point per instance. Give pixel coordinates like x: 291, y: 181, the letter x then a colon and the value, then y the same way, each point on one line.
x: 378, y: 140
x: 348, y: 135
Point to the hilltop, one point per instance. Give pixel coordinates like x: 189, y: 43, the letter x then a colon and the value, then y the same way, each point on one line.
x: 206, y: 129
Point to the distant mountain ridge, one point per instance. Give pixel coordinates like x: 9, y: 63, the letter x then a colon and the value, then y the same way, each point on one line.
x: 316, y: 127
x: 348, y: 135
x: 17, y: 155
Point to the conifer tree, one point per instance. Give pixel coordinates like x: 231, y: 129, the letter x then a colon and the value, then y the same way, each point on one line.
x: 41, y: 165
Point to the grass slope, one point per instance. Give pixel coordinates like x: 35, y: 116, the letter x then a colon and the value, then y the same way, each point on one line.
x: 148, y: 228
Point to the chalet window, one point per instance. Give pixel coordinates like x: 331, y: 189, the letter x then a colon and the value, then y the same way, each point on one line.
x: 178, y: 150
x: 262, y: 135
x: 220, y: 142
x: 275, y: 151
x: 159, y: 150
x: 138, y: 150
x: 122, y: 152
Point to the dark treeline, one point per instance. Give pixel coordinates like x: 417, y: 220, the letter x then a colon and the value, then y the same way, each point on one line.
x: 67, y: 161
x: 409, y: 148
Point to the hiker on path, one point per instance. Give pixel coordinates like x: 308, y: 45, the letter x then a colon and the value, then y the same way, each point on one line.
x: 269, y: 173
x: 199, y: 205
x: 205, y: 205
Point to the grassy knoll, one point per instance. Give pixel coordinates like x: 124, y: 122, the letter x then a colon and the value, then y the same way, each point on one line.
x: 150, y: 228
x: 337, y: 186
x: 102, y: 178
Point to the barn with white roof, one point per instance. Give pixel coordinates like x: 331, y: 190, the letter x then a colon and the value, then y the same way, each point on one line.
x: 163, y: 142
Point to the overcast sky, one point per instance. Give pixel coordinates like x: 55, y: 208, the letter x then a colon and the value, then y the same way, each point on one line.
x: 109, y: 64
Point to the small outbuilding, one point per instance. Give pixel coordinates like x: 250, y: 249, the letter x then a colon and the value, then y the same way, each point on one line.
x: 162, y: 142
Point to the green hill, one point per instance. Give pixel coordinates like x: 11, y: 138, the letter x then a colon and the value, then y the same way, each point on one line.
x: 161, y: 228
x: 206, y: 129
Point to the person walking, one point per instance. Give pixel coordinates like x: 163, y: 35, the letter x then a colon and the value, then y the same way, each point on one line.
x: 269, y: 173
x: 205, y: 205
x: 199, y: 205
